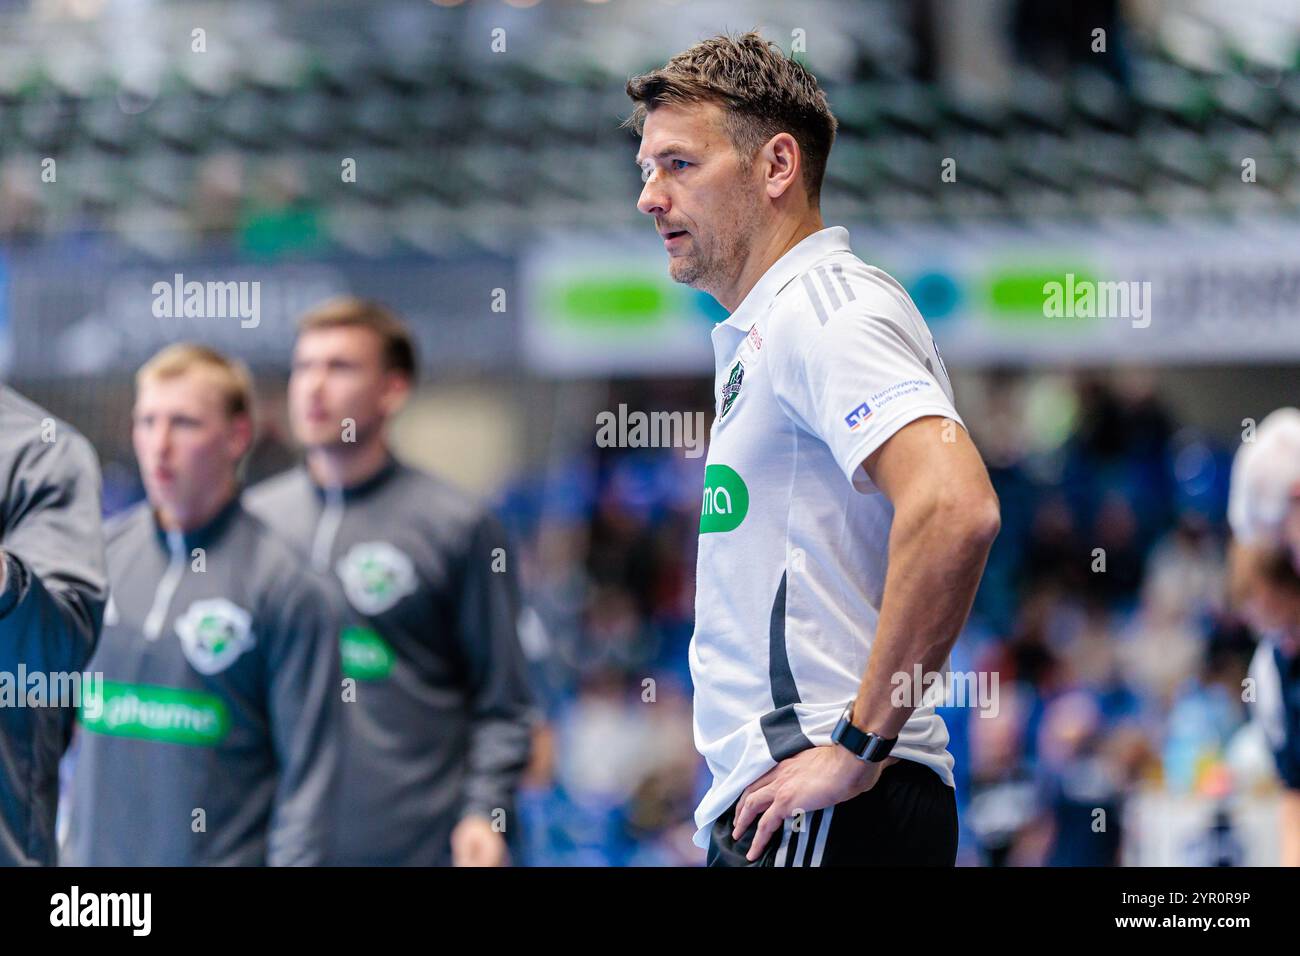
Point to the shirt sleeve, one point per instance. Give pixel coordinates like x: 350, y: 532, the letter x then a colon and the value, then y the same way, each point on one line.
x: 52, y: 603
x: 501, y: 703
x: 305, y: 681
x: 860, y: 376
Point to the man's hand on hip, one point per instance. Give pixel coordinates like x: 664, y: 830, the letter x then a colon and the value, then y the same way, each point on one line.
x: 810, y: 780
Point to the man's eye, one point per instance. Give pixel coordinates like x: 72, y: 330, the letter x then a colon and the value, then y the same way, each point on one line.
x: 645, y: 173
x: 676, y: 167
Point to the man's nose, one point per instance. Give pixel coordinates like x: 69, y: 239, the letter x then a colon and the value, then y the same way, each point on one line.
x: 152, y: 445
x: 654, y: 199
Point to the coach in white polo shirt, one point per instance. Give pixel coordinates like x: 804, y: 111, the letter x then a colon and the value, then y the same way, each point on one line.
x: 846, y: 516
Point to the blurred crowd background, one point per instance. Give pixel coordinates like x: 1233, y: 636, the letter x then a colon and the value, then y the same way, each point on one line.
x: 215, y: 141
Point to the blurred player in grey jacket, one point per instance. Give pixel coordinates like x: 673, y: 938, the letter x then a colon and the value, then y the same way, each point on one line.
x: 439, y: 731
x: 214, y: 739
x: 52, y: 588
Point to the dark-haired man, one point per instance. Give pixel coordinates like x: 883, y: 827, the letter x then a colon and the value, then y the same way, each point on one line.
x: 438, y: 733
x: 846, y: 515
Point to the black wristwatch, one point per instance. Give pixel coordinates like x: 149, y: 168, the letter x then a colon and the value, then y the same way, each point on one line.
x: 869, y: 747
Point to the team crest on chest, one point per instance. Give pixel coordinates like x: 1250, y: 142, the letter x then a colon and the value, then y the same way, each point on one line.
x: 213, y: 633
x: 731, y: 389
x: 376, y: 576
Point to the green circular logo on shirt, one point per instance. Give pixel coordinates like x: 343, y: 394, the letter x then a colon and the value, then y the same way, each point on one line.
x: 726, y: 499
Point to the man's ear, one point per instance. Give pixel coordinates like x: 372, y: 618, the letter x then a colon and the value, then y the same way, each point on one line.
x: 783, y: 164
x: 397, y: 389
x: 242, y: 428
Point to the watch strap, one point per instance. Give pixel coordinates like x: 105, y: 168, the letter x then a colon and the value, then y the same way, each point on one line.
x: 862, y: 744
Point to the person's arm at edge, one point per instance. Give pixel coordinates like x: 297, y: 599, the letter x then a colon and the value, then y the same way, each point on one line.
x: 53, y: 584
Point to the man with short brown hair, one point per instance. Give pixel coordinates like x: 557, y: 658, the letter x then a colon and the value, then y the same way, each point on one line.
x: 846, y: 514
x: 438, y: 731
x: 348, y: 311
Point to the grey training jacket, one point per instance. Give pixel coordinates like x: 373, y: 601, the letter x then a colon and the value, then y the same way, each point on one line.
x: 50, y: 609
x: 442, y: 720
x: 214, y: 737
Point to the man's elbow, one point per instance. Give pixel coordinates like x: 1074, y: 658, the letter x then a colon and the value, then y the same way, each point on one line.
x: 971, y: 519
x: 986, y: 522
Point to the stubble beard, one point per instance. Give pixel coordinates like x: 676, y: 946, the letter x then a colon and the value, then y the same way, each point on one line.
x: 714, y: 269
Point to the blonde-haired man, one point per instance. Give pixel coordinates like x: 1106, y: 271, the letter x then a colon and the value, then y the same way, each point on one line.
x: 214, y: 739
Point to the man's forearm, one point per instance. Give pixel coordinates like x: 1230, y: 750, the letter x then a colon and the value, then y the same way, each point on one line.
x: 936, y: 558
x: 4, y: 570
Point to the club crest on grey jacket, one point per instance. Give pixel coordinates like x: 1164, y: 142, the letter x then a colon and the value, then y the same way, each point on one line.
x: 375, y: 576
x: 214, y: 737
x: 441, y: 724
x: 213, y: 633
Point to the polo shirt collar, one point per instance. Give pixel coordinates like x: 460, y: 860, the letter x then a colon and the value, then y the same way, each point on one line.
x: 779, y: 274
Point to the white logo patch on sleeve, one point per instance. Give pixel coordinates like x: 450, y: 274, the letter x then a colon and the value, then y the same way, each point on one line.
x: 213, y: 633
x: 376, y: 576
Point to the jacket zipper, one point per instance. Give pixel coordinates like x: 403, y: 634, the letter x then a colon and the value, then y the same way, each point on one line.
x: 327, y: 529
x: 171, y: 579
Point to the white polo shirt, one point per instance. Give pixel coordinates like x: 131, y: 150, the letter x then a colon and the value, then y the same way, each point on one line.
x: 825, y: 359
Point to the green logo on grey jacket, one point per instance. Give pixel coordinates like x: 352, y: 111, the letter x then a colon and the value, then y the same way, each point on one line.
x: 213, y: 633
x: 726, y: 499
x: 366, y: 655
x: 165, y: 714
x: 376, y: 576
